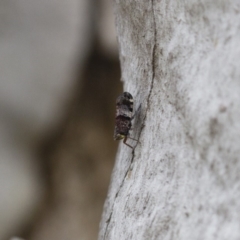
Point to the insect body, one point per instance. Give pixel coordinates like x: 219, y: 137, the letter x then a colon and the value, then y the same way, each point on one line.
x: 124, y: 116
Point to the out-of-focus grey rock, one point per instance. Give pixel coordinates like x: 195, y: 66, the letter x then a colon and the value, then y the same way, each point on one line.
x: 42, y: 45
x: 106, y: 29
x: 180, y: 60
x: 16, y: 238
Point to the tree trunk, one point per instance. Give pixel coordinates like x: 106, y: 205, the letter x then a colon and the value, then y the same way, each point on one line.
x: 180, y: 61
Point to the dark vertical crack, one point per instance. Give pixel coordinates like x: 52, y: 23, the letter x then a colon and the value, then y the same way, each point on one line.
x: 108, y: 221
x: 116, y: 195
x: 153, y: 65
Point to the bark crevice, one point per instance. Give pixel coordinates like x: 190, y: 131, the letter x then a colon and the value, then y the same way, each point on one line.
x: 153, y: 65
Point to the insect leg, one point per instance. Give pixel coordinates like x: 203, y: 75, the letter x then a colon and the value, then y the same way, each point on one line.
x: 124, y: 141
x: 136, y: 112
x: 133, y: 139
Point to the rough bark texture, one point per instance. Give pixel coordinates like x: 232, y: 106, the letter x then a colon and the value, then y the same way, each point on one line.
x: 181, y: 62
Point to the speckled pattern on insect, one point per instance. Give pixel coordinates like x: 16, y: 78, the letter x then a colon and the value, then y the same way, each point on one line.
x: 124, y: 116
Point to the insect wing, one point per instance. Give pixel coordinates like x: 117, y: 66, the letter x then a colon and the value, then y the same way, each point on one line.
x: 123, y: 110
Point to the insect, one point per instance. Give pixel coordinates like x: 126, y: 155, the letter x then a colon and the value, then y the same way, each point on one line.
x: 124, y: 116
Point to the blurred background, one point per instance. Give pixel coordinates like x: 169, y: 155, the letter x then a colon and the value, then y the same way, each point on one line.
x: 59, y: 78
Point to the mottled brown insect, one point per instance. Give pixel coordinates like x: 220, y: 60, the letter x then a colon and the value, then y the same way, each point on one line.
x: 124, y: 116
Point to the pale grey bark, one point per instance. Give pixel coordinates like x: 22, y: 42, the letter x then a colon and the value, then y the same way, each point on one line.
x: 180, y: 60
